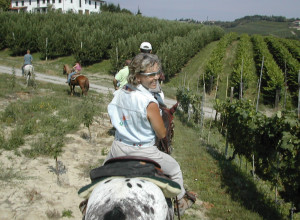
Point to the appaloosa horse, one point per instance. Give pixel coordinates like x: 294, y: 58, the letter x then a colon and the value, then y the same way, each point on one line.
x: 77, y: 80
x: 140, y: 195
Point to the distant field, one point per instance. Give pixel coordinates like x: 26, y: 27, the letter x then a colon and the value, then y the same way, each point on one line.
x: 280, y: 29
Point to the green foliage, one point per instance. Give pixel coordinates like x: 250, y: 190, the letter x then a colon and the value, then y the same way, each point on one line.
x: 293, y: 47
x: 187, y: 100
x: 16, y: 140
x: 4, y: 5
x: 274, y: 141
x: 93, y: 38
x: 88, y: 112
x: 113, y: 8
x: 214, y: 66
x: 67, y: 213
x: 178, y: 52
x: 272, y: 76
x: 243, y: 64
x: 287, y: 63
x: 13, y: 79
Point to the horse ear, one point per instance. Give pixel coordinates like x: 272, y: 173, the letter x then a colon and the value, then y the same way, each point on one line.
x: 173, y: 109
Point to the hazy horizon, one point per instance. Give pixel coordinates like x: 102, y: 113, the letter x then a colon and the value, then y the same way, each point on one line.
x: 214, y: 10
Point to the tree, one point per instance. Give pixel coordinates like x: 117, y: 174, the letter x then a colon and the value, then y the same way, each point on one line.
x: 4, y: 5
x: 139, y: 12
x: 114, y: 8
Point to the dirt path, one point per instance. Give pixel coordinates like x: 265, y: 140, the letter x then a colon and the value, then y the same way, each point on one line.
x: 208, y: 112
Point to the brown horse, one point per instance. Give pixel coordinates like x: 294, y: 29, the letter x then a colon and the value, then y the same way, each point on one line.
x: 77, y: 80
x: 165, y: 145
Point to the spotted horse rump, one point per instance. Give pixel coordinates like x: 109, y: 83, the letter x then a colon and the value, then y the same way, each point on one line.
x: 128, y: 198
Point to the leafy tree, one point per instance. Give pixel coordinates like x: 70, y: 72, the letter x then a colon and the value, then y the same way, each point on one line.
x: 139, y: 12
x: 4, y: 5
x: 114, y: 8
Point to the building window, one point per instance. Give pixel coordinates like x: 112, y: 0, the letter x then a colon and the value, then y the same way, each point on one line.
x: 16, y: 3
x: 48, y: 1
x: 53, y: 1
x: 79, y: 3
x: 44, y: 1
x: 90, y: 2
x: 95, y: 4
x: 59, y: 1
x: 29, y: 2
x: 38, y: 2
x: 71, y: 1
x: 22, y: 3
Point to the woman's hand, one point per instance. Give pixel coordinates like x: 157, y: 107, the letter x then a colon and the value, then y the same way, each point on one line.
x: 156, y: 120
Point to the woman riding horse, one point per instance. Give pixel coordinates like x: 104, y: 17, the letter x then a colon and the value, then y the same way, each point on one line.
x: 80, y: 80
x: 135, y: 114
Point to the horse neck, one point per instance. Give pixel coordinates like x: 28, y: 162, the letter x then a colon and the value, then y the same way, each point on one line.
x: 68, y: 69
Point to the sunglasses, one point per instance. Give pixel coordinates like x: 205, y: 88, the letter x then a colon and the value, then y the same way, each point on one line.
x: 153, y: 74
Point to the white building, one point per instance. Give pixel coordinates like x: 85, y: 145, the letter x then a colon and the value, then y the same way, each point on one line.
x: 76, y: 6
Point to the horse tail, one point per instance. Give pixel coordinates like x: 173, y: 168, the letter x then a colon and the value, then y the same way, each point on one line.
x: 87, y: 84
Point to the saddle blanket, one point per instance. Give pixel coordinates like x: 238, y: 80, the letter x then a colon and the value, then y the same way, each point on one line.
x: 169, y: 188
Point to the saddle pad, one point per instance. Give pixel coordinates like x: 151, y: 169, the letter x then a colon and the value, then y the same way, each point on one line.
x: 169, y: 188
x: 128, y: 168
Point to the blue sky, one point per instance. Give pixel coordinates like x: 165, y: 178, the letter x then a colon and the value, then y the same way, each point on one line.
x: 221, y: 10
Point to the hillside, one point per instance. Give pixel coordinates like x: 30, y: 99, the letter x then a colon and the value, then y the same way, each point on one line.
x: 278, y: 29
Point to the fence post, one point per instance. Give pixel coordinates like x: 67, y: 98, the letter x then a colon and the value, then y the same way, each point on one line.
x: 285, y: 85
x: 226, y: 144
x: 241, y: 84
x: 46, y: 48
x: 259, y: 83
x: 202, y: 107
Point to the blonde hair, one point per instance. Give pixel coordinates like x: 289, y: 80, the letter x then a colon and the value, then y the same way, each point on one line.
x: 140, y: 64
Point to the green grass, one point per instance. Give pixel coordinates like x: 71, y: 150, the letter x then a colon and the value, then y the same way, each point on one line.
x: 47, y: 110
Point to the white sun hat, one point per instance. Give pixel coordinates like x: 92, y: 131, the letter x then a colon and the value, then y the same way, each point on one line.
x: 146, y: 46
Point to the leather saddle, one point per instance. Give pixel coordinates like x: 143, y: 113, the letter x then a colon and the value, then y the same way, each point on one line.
x: 130, y: 166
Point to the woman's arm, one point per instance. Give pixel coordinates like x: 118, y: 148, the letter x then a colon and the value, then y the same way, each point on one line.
x: 156, y: 120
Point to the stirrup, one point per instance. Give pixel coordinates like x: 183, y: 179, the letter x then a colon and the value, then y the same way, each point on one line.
x: 82, y: 207
x: 185, y: 202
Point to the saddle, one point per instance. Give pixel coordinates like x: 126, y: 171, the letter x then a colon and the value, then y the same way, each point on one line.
x: 129, y: 167
x: 73, y: 77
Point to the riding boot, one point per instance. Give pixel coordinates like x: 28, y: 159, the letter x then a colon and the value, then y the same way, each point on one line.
x: 185, y: 202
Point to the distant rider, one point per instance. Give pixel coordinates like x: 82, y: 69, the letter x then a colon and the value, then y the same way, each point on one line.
x: 27, y: 60
x: 76, y: 69
x: 120, y: 79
